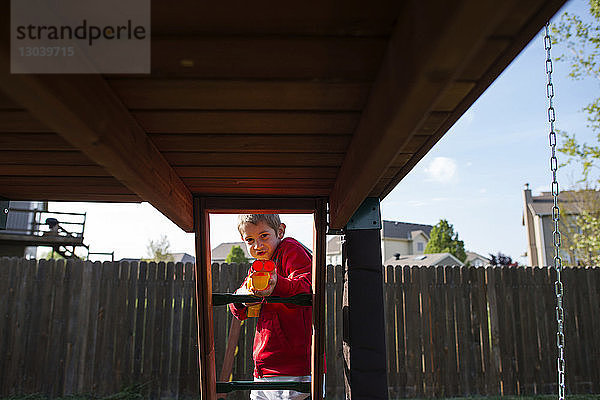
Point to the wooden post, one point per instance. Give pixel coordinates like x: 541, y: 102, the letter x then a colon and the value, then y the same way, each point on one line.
x: 318, y: 283
x: 206, y: 346
x: 364, y: 326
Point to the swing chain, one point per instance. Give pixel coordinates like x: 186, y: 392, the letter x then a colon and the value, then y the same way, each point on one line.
x: 558, y: 285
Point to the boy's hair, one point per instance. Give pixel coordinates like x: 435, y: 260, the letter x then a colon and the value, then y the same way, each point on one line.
x: 272, y: 220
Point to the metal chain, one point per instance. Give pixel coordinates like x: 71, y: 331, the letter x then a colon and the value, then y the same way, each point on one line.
x: 558, y: 285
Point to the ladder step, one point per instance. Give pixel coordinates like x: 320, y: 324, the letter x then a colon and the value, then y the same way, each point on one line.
x: 226, y: 387
x: 221, y: 299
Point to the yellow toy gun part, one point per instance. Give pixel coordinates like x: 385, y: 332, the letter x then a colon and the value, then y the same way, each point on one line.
x: 259, y: 280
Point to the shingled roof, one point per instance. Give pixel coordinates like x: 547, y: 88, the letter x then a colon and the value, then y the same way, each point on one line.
x: 402, y: 230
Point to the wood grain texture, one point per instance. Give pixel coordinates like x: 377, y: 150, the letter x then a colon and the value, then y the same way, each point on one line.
x: 273, y: 57
x: 206, y: 349
x: 247, y: 122
x: 318, y: 285
x: 200, y: 94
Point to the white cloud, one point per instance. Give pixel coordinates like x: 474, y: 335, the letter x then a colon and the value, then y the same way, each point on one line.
x: 442, y: 169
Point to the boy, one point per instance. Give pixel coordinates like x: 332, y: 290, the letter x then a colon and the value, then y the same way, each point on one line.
x: 282, y: 340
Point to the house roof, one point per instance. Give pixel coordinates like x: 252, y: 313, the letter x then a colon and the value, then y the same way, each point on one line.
x: 404, y: 230
x: 259, y: 99
x: 474, y: 256
x: 424, y: 260
x: 570, y: 202
x: 334, y: 245
x: 177, y: 257
x: 222, y: 250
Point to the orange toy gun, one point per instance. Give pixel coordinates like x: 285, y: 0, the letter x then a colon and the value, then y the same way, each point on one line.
x: 259, y: 280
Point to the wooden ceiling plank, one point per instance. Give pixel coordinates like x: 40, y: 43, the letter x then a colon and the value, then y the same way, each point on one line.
x: 226, y: 57
x: 501, y: 61
x: 260, y: 205
x: 485, y: 57
x: 441, y: 40
x: 258, y: 172
x: 247, y: 122
x: 44, y: 157
x: 453, y: 96
x: 45, y: 190
x: 53, y: 170
x: 86, y: 112
x: 29, y: 195
x: 20, y: 121
x: 33, y: 141
x: 266, y: 159
x: 312, y: 17
x: 95, y: 181
x: 262, y: 191
x: 196, y: 184
x: 8, y: 104
x: 198, y: 94
x: 250, y: 143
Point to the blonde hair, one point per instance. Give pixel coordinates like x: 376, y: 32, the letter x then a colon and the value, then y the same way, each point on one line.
x: 272, y: 220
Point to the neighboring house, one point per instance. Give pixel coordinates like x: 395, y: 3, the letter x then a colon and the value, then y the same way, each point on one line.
x: 476, y: 260
x: 183, y: 258
x: 401, y: 238
x: 334, y: 251
x: 424, y: 260
x: 177, y: 257
x: 220, y: 253
x: 538, y: 222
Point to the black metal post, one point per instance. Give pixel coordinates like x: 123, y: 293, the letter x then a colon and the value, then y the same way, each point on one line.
x: 362, y: 305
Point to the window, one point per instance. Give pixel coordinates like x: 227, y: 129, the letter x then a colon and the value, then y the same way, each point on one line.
x: 420, y: 246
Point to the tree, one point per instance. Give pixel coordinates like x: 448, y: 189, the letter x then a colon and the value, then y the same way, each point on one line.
x: 581, y: 224
x: 582, y: 40
x: 502, y: 260
x: 236, y: 255
x: 443, y: 239
x: 159, y: 250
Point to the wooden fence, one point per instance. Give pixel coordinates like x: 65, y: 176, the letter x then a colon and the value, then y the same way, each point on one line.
x: 80, y: 327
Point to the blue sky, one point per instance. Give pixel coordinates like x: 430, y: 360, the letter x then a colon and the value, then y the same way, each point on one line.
x: 473, y: 177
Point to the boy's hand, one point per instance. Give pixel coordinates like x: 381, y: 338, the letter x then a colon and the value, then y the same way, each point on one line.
x: 244, y: 290
x: 269, y: 289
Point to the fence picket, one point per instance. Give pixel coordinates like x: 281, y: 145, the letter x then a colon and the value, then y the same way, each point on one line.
x: 174, y: 371
x: 593, y: 285
x: 73, y: 324
x: 390, y: 334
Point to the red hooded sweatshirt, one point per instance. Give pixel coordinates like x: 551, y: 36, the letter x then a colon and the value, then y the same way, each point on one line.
x: 283, y: 332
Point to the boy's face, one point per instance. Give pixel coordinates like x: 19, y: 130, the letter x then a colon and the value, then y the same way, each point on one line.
x: 261, y: 239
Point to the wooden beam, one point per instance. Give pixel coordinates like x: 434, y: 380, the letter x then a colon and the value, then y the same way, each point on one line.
x: 206, y: 342
x: 85, y: 112
x: 430, y: 46
x: 260, y: 205
x: 318, y: 309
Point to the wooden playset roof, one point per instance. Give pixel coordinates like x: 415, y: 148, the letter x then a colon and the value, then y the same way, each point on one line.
x: 318, y: 98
